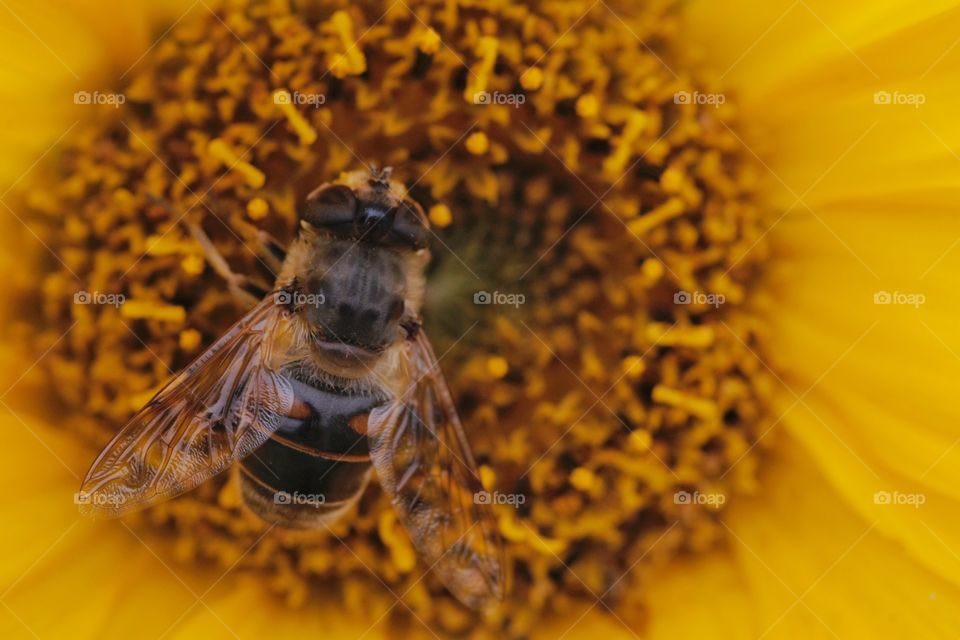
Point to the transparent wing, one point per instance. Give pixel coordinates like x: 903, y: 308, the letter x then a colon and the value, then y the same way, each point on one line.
x: 424, y: 464
x: 217, y: 410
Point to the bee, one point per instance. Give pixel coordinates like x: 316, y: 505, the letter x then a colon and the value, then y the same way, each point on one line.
x: 328, y: 380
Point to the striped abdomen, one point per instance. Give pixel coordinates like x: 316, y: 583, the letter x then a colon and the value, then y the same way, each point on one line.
x: 303, y: 477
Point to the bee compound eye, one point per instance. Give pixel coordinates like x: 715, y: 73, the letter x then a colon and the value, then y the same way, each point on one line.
x: 331, y: 206
x: 410, y: 227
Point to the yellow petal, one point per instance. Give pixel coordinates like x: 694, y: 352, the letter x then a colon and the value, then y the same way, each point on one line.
x: 49, y: 52
x: 66, y: 576
x: 814, y: 568
x: 799, y: 562
x: 704, y: 597
x: 105, y: 580
x: 867, y: 191
x: 807, y: 89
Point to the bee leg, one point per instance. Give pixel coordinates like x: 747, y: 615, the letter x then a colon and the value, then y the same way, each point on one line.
x: 272, y: 251
x: 243, y: 288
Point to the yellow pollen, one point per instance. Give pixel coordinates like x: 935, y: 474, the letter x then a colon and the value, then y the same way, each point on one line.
x: 190, y: 339
x: 136, y: 401
x: 397, y: 541
x: 351, y: 61
x: 220, y: 150
x: 167, y: 244
x: 584, y: 479
x: 440, y: 215
x: 75, y: 229
x: 680, y: 336
x: 633, y: 367
x: 148, y: 310
x: 652, y: 269
x: 477, y: 143
x: 640, y: 440
x: 480, y: 74
x: 615, y: 164
x: 258, y: 209
x: 532, y: 79
x: 657, y: 216
x: 588, y: 106
x: 488, y: 477
x: 672, y: 180
x: 497, y: 366
x: 699, y: 407
x: 192, y: 264
x: 516, y: 531
x: 429, y: 41
x: 303, y: 129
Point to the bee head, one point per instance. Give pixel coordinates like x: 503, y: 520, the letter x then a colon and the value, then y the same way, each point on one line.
x: 367, y: 206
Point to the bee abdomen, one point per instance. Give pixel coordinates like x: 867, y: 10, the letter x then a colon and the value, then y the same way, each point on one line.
x: 306, y: 477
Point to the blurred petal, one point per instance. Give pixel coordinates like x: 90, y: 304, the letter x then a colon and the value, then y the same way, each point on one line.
x: 49, y: 51
x: 798, y: 540
x: 703, y: 597
x: 62, y: 576
x: 800, y: 562
x: 867, y: 193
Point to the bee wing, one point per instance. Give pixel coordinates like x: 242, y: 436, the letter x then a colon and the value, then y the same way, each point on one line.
x: 217, y: 410
x: 424, y: 464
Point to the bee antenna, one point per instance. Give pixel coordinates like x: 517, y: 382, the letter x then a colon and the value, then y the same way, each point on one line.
x: 380, y: 178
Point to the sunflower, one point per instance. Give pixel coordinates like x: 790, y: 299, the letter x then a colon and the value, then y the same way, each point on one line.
x: 691, y: 280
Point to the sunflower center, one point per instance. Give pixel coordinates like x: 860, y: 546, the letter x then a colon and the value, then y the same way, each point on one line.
x: 598, y: 246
